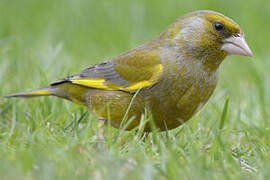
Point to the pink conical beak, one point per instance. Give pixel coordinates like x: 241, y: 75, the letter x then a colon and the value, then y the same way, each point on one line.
x: 236, y: 45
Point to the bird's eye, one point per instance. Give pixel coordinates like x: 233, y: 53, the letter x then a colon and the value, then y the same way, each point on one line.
x: 219, y: 26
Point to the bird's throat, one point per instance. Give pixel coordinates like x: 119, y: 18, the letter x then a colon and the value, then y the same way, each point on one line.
x: 212, y: 61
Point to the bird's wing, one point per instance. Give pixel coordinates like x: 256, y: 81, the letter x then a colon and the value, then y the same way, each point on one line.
x: 128, y: 72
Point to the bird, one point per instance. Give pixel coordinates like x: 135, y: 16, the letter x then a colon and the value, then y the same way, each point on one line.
x: 172, y: 76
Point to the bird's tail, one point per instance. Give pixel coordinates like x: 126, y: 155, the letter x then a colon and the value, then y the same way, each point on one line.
x: 65, y: 90
x: 34, y: 93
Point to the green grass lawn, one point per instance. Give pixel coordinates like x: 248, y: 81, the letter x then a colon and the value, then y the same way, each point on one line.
x: 49, y: 138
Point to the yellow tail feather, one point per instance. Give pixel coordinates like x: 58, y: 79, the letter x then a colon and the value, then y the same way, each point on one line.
x: 33, y: 93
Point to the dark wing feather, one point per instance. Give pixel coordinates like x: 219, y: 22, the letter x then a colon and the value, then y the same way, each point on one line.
x: 127, y: 72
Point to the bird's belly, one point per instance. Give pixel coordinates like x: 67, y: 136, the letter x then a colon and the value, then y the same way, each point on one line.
x: 114, y: 105
x: 168, y: 110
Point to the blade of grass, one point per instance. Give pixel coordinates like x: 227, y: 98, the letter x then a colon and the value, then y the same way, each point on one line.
x: 126, y: 115
x: 224, y: 113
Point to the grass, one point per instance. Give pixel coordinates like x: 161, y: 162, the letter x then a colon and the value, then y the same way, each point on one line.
x: 48, y: 138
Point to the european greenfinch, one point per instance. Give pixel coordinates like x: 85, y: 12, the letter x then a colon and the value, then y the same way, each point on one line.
x: 172, y: 75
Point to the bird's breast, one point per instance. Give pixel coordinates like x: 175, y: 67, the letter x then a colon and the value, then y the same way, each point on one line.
x: 182, y: 91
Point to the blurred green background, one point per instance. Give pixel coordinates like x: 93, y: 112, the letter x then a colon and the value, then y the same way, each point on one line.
x: 42, y: 41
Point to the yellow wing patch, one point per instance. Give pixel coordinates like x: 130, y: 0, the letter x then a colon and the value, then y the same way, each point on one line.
x: 95, y: 83
x: 100, y: 83
x: 110, y: 86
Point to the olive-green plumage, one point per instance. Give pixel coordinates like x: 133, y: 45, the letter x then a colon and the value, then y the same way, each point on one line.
x: 174, y: 74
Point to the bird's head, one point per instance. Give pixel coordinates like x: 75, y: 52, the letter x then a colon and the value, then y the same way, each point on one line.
x: 204, y: 34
